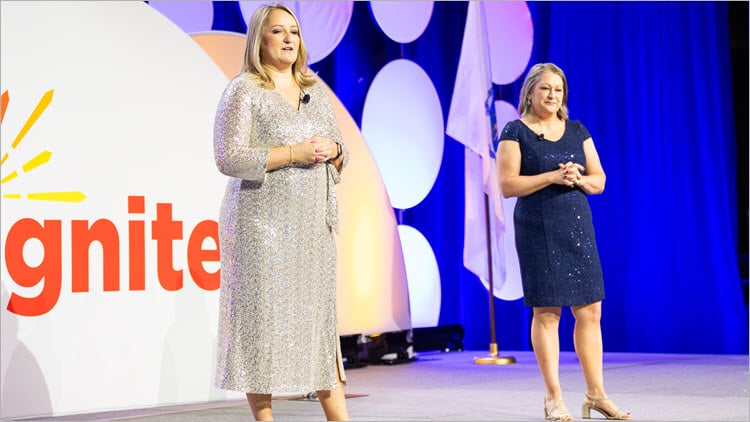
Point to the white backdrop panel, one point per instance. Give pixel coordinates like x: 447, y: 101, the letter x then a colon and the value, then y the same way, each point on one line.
x: 132, y: 108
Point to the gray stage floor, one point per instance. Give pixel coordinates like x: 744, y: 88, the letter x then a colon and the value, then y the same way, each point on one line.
x: 450, y: 387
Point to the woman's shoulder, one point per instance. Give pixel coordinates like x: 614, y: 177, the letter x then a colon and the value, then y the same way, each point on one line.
x: 245, y: 86
x: 513, y: 123
x: 511, y: 130
x: 575, y: 123
x: 246, y: 80
x: 316, y: 86
x: 243, y: 83
x: 319, y: 91
x: 578, y: 129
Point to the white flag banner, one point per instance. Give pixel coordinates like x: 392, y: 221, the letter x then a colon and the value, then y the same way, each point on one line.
x: 471, y: 121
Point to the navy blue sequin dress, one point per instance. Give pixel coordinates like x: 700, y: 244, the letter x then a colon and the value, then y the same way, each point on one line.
x: 555, y: 237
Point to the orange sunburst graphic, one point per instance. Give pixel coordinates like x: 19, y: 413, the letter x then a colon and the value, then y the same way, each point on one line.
x: 38, y: 160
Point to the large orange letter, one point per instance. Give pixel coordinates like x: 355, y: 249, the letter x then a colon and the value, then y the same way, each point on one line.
x: 196, y: 255
x: 164, y: 230
x: 104, y: 232
x: 137, y: 244
x: 50, y: 269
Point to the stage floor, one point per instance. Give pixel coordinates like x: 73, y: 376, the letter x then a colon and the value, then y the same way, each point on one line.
x: 450, y: 387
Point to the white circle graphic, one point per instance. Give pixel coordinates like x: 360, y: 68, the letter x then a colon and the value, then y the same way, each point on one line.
x: 504, y: 113
x: 402, y: 21
x: 402, y: 122
x: 423, y: 277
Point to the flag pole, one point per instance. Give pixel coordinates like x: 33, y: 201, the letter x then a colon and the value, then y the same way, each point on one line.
x: 493, y: 358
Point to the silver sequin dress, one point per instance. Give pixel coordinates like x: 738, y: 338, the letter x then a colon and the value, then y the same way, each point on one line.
x: 277, y: 317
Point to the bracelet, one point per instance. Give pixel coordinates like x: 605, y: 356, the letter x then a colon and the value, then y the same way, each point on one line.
x: 291, y: 160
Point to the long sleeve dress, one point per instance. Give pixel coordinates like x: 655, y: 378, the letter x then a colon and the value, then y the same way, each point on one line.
x: 277, y: 317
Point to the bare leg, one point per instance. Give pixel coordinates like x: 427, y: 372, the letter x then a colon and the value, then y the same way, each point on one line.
x: 546, y: 342
x: 334, y: 402
x: 544, y: 339
x: 260, y: 404
x: 587, y: 337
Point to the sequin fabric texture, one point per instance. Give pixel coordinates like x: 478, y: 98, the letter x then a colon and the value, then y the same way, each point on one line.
x: 555, y: 237
x: 277, y: 317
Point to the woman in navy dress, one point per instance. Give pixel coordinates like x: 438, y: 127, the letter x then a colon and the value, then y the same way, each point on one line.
x: 550, y: 163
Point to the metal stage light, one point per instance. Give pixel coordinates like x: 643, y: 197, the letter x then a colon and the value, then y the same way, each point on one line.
x: 390, y: 348
x: 446, y: 338
x: 353, y: 351
x: 396, y: 347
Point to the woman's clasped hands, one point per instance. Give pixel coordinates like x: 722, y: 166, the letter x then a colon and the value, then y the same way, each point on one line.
x: 571, y: 174
x: 316, y: 150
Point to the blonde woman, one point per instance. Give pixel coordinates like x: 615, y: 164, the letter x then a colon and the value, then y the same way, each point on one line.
x: 277, y: 139
x: 550, y: 163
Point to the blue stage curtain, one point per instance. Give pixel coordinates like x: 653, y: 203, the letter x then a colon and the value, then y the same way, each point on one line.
x: 652, y: 82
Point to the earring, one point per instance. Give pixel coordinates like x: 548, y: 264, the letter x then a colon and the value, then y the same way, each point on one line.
x: 528, y: 103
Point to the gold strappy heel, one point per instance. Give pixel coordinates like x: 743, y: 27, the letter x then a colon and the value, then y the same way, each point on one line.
x: 586, y: 409
x: 551, y: 414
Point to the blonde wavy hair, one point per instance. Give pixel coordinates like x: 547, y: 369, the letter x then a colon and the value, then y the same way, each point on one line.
x: 532, y: 78
x: 253, y: 64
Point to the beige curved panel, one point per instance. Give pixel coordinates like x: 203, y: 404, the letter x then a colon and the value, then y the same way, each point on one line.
x: 372, y: 294
x: 225, y: 49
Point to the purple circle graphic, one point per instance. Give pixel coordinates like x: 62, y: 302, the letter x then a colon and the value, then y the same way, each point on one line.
x: 190, y: 16
x: 510, y: 35
x: 323, y: 23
